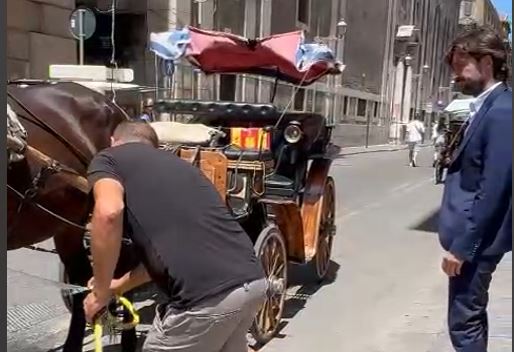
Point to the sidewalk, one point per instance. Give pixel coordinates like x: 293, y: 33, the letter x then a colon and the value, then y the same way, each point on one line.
x: 376, y: 148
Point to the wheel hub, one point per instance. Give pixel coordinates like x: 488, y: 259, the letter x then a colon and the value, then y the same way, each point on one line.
x: 276, y: 286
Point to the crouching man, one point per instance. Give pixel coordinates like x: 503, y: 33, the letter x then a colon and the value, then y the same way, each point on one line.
x: 190, y: 245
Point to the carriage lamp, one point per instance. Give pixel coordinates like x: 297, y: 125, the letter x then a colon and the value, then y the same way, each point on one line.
x: 293, y: 133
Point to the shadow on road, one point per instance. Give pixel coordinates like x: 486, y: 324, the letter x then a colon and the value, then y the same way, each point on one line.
x: 301, y: 275
x: 429, y: 224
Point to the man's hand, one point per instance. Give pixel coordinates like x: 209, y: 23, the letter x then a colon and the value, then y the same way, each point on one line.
x: 452, y: 265
x: 94, y: 303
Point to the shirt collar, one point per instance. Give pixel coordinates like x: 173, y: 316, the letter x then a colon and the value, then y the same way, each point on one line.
x: 477, y: 103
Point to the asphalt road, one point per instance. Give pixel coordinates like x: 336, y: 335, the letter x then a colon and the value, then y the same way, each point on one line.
x: 387, y: 293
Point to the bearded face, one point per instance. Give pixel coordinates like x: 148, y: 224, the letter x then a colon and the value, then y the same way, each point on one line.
x: 471, y: 75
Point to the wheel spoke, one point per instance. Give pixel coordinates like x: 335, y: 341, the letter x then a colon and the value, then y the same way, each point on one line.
x: 265, y: 261
x: 279, y: 270
x: 262, y: 316
x: 271, y: 316
x: 272, y: 257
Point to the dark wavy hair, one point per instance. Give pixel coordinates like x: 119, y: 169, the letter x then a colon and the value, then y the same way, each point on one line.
x: 481, y: 42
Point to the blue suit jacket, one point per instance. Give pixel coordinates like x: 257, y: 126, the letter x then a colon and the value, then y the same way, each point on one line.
x: 476, y: 213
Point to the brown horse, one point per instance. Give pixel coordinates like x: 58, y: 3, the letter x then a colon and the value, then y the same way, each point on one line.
x: 66, y: 124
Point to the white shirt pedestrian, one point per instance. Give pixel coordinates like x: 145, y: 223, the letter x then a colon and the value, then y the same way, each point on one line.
x: 415, y: 132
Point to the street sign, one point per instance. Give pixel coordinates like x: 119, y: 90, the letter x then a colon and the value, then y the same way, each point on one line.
x: 405, y: 31
x: 88, y: 20
x: 82, y: 26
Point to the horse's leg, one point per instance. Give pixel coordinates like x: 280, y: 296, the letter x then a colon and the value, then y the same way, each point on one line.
x: 127, y: 261
x: 129, y: 337
x: 78, y: 268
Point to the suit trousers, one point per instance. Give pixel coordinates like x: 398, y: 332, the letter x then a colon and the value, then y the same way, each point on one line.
x: 467, y: 306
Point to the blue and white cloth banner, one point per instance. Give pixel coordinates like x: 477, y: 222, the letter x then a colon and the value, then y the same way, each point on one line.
x: 170, y: 45
x: 310, y: 54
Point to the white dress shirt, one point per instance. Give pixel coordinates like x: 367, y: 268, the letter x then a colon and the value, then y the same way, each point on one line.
x: 478, y: 102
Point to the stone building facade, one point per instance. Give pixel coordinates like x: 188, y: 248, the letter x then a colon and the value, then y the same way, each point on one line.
x: 481, y: 13
x: 37, y: 36
x: 360, y: 102
x: 417, y: 81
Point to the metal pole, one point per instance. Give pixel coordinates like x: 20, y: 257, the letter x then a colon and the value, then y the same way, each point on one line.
x: 156, y: 76
x: 367, y: 129
x: 81, y: 36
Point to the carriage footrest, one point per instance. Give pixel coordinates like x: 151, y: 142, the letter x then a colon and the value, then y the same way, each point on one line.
x: 278, y: 185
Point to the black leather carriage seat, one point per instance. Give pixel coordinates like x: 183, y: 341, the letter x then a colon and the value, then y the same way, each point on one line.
x: 233, y: 153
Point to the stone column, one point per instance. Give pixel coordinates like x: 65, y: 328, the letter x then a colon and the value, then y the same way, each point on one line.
x: 397, y: 101
x: 407, y: 98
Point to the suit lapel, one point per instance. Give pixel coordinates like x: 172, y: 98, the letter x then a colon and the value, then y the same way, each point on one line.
x: 478, y: 119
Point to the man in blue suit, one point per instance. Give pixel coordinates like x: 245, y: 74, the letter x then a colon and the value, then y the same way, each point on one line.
x: 475, y: 226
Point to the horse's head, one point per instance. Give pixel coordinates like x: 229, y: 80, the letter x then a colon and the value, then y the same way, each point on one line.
x: 67, y: 123
x: 66, y: 115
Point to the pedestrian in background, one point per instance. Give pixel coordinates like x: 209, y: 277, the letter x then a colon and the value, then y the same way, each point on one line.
x: 475, y: 225
x: 415, y: 131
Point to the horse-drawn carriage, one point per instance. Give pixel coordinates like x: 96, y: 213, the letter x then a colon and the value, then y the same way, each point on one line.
x: 270, y: 165
x: 274, y: 178
x: 450, y: 128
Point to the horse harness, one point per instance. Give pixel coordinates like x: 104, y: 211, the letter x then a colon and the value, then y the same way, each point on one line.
x: 454, y: 143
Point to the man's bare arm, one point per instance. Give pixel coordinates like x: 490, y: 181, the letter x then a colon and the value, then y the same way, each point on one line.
x: 135, y: 278
x: 106, y: 232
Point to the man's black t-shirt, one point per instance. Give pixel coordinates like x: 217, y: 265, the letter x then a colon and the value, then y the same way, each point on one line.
x: 191, y: 245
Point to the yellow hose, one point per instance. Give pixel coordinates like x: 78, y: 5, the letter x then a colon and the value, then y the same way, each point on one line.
x: 98, y: 332
x: 98, y: 327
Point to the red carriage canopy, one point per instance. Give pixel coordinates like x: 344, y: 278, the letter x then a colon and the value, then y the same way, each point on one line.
x: 284, y: 56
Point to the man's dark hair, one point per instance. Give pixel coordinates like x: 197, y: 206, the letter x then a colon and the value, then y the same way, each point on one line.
x: 480, y: 42
x: 136, y: 131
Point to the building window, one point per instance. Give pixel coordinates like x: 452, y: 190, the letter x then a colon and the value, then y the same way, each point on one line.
x: 468, y: 8
x: 375, y: 109
x: 299, y: 100
x: 345, y: 105
x: 303, y: 11
x: 361, y: 108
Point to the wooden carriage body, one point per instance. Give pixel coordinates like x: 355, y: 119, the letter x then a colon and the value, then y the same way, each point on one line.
x: 296, y: 211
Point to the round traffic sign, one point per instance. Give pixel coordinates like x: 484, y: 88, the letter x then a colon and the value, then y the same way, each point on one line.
x: 88, y: 22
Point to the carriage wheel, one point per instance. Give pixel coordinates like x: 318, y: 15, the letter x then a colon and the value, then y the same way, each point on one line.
x: 270, y: 249
x: 327, y: 229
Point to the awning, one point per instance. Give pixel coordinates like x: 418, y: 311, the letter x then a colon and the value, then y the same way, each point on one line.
x: 458, y: 105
